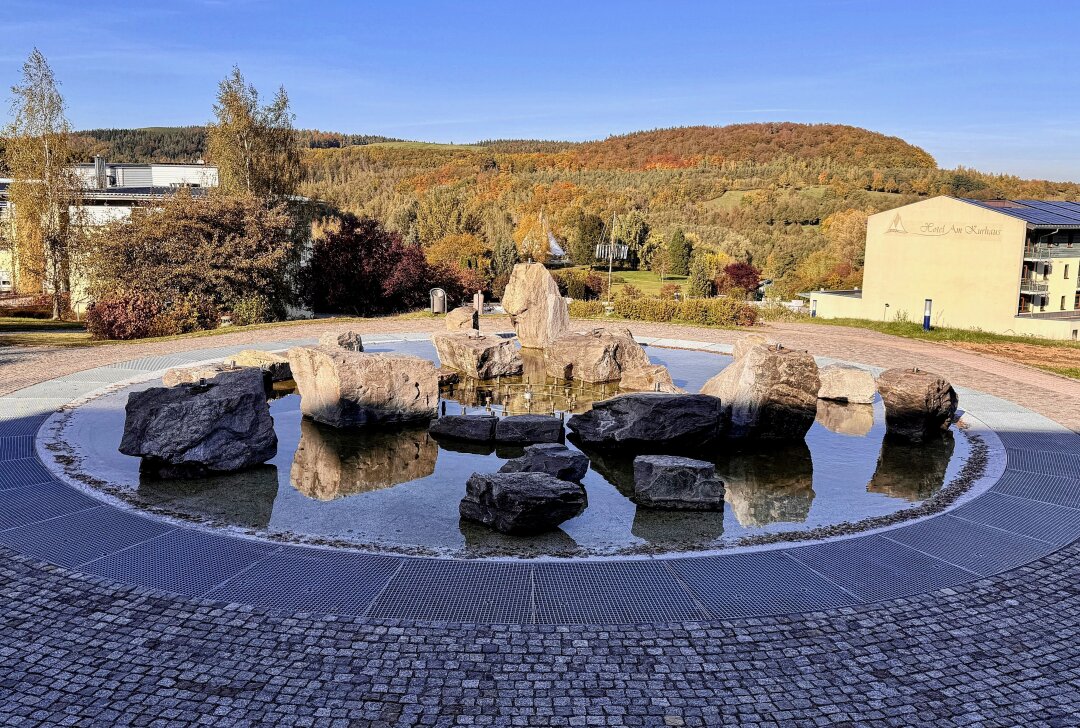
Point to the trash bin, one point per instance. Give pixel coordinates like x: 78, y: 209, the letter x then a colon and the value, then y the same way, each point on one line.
x: 438, y: 300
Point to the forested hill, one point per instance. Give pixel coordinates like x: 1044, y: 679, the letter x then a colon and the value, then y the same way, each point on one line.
x: 761, y: 143
x: 188, y: 143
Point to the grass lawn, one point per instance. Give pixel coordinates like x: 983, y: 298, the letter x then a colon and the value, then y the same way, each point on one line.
x: 647, y: 281
x: 25, y: 323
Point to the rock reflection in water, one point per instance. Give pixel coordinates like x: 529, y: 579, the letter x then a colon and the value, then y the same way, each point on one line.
x: 845, y: 419
x: 678, y: 528
x: 912, y: 472
x: 330, y: 463
x: 771, y: 485
x: 483, y: 541
x: 533, y: 391
x: 243, y: 499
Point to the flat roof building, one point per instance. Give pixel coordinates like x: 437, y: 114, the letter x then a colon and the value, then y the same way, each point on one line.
x: 1003, y: 266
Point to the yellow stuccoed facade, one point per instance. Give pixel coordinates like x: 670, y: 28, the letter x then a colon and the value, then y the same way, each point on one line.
x: 968, y: 260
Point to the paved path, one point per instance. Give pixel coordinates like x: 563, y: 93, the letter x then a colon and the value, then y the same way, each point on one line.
x: 1000, y: 651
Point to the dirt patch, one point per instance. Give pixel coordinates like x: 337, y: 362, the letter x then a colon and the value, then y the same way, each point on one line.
x: 1054, y: 357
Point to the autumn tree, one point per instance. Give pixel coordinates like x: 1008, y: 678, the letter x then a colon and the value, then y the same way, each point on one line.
x: 531, y: 236
x: 586, y: 230
x: 679, y: 250
x: 254, y: 146
x: 39, y: 152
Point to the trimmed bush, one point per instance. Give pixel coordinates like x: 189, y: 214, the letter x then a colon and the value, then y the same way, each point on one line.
x: 586, y: 309
x: 702, y: 311
x: 122, y: 317
x: 251, y: 310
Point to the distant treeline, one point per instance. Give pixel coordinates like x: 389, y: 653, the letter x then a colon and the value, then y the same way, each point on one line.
x: 188, y: 143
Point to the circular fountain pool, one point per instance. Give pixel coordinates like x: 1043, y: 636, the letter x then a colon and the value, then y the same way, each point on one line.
x: 398, y: 490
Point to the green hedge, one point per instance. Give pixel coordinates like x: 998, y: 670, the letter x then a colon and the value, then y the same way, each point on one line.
x: 701, y: 311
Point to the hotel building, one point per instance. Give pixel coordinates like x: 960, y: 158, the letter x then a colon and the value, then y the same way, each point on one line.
x: 1003, y: 266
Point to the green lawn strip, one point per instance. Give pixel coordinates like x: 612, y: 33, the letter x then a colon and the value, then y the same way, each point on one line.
x: 912, y: 330
x: 26, y: 323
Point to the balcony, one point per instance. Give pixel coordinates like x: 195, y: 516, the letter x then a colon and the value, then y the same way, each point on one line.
x: 1032, y: 285
x: 1037, y: 252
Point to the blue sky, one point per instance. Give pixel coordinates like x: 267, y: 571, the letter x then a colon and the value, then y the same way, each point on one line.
x: 991, y: 85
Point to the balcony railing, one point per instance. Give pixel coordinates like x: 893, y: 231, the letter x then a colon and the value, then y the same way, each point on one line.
x: 1030, y: 285
x: 1037, y: 252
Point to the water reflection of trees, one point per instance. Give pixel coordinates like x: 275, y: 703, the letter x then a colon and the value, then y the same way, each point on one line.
x: 331, y: 463
x: 768, y: 485
x: 912, y: 472
x: 243, y: 499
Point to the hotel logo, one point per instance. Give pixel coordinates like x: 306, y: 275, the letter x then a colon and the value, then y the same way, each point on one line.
x: 897, y: 225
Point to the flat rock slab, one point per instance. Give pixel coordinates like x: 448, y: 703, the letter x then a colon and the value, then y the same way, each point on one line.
x: 478, y: 356
x: 469, y: 428
x: 677, y: 483
x: 551, y: 458
x: 463, y: 317
x: 351, y: 389
x: 526, y: 429
x: 651, y: 421
x: 189, y: 429
x: 844, y: 383
x: 919, y: 405
x: 521, y: 504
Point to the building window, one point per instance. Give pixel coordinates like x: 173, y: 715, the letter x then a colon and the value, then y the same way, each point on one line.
x: 1063, y: 303
x: 1066, y: 271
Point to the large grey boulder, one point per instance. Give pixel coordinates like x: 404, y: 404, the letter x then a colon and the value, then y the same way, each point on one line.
x: 330, y: 463
x: 521, y: 504
x: 471, y: 428
x: 845, y: 383
x: 347, y: 340
x: 599, y: 355
x: 463, y: 317
x: 918, y: 404
x: 525, y: 429
x: 651, y: 422
x: 478, y: 356
x: 677, y: 483
x: 275, y: 365
x: 551, y: 458
x: 351, y: 389
x: 223, y: 425
x: 769, y: 393
x: 537, y: 310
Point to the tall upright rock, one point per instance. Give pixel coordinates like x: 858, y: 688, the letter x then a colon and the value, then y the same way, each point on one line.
x: 536, y: 308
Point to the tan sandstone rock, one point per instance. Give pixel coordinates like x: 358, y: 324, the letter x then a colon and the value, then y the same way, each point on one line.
x: 349, y: 340
x: 195, y: 374
x: 918, y: 404
x: 351, y: 389
x: 478, y: 356
x: 599, y: 355
x: 749, y: 342
x: 463, y: 317
x: 537, y: 310
x: 845, y: 383
x: 653, y: 378
x: 770, y: 393
x: 276, y: 365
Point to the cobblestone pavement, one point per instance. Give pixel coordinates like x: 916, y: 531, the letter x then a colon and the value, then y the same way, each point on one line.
x: 1002, y: 651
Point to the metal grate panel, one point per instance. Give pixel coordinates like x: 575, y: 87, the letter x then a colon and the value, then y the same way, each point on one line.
x: 875, y: 568
x: 1043, y: 461
x: 309, y: 580
x: 604, y: 592
x: 457, y: 591
x: 82, y: 536
x: 183, y: 561
x: 19, y: 473
x: 972, y: 546
x: 32, y: 503
x: 16, y: 447
x: 767, y: 582
x: 1043, y: 521
x: 1046, y: 488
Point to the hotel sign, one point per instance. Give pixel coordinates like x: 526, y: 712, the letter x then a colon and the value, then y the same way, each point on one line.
x: 935, y: 229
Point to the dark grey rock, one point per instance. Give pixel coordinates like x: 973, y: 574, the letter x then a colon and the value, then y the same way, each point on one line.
x: 473, y: 428
x: 551, y: 458
x: 528, y: 429
x: 194, y: 429
x: 521, y: 504
x: 651, y: 422
x: 677, y: 483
